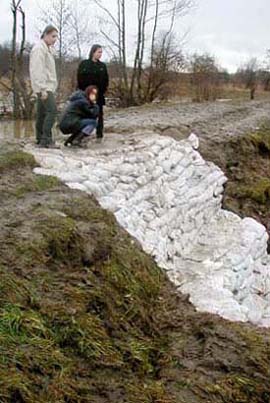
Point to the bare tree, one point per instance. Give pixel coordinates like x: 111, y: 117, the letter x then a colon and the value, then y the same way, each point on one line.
x: 149, y: 13
x: 166, y: 54
x: 108, y: 21
x: 248, y: 75
x: 79, y: 25
x: 251, y: 76
x: 123, y: 51
x: 22, y: 100
x: 142, y: 9
x: 204, y: 77
x: 15, y: 7
x: 153, y: 42
x: 25, y: 91
x: 265, y: 74
x: 167, y: 61
x: 5, y: 57
x: 116, y: 41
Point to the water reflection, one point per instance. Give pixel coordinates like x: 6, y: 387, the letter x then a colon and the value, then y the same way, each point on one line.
x: 18, y: 129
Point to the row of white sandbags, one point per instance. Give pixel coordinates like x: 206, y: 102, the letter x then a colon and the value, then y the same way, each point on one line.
x: 169, y: 198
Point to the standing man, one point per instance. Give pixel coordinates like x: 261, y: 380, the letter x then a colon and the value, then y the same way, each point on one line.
x: 93, y: 72
x: 44, y: 85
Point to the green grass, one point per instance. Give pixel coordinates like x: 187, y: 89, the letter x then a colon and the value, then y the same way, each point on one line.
x: 259, y: 191
x: 87, y: 317
x: 247, y: 165
x: 69, y: 280
x: 13, y: 160
x: 37, y: 184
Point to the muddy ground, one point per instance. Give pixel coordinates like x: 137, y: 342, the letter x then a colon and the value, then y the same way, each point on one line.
x: 86, y: 316
x: 211, y: 121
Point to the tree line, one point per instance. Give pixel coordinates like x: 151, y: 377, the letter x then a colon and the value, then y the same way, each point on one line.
x: 141, y: 71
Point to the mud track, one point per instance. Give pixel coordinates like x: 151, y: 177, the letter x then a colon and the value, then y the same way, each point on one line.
x: 210, y: 121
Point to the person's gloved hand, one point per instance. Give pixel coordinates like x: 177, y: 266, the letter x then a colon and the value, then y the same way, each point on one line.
x: 44, y: 95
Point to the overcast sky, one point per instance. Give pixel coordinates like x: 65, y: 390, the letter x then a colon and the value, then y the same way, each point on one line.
x: 232, y: 30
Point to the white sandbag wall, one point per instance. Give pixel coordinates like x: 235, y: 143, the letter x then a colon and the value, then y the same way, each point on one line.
x: 169, y: 198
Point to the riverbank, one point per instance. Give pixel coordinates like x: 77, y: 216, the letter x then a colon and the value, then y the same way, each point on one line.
x: 86, y: 316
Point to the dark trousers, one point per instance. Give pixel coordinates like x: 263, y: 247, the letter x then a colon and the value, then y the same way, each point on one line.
x: 46, y: 115
x: 100, y: 124
x: 86, y: 128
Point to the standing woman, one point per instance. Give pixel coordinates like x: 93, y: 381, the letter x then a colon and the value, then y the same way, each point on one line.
x: 93, y: 72
x: 44, y: 85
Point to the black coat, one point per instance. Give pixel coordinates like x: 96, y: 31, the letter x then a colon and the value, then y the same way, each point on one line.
x: 93, y: 73
x: 78, y: 108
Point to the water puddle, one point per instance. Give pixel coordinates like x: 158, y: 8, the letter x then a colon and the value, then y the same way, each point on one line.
x: 17, y: 129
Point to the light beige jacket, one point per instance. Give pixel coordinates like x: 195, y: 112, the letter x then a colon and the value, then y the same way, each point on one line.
x: 42, y: 68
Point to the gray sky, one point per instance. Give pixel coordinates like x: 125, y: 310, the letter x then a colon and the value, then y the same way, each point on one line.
x: 232, y: 30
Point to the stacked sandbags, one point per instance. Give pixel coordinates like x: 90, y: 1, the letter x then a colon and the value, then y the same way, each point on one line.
x: 165, y: 195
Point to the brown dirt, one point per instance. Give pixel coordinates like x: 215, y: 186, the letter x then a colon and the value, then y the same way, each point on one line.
x: 86, y: 316
x: 246, y: 163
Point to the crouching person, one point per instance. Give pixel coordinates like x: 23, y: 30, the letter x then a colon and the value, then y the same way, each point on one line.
x: 80, y: 117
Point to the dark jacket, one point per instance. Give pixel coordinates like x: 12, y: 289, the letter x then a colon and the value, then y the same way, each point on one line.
x: 78, y: 108
x: 93, y: 73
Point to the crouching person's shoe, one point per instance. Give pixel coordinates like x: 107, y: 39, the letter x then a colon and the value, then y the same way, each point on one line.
x: 75, y: 141
x: 68, y: 143
x: 78, y: 139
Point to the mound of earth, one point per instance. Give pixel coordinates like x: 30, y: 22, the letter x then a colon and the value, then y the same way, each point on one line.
x: 87, y: 316
x: 166, y: 196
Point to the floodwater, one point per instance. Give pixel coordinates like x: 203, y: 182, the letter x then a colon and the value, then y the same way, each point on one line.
x: 23, y: 132
x: 19, y: 129
x: 16, y: 129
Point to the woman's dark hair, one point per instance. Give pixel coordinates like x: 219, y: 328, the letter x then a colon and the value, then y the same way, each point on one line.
x: 94, y: 48
x: 89, y: 89
x: 48, y: 30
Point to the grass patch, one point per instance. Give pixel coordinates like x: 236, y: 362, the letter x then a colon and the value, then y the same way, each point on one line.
x: 261, y: 140
x: 259, y: 191
x: 87, y: 317
x: 246, y: 162
x: 38, y: 183
x: 15, y: 160
x: 77, y: 298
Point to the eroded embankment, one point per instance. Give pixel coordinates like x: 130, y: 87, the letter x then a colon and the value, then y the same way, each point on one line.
x: 86, y: 316
x: 246, y: 163
x: 165, y: 195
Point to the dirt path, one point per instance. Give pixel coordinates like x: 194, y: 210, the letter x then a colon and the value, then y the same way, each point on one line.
x: 210, y: 121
